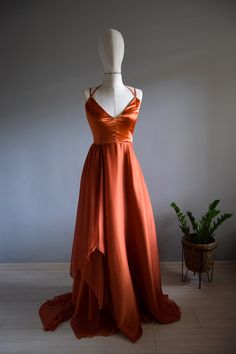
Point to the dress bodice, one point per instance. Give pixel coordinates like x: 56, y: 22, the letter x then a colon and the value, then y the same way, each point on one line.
x: 107, y: 129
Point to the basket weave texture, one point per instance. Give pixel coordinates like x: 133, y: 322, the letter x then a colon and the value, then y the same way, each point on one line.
x: 198, y: 257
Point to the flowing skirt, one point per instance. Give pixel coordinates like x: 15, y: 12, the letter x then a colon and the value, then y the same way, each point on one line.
x: 115, y: 263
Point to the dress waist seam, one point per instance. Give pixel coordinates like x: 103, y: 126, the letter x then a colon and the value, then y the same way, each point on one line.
x: 113, y: 142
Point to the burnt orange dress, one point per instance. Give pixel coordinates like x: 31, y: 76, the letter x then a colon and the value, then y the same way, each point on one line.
x: 115, y: 263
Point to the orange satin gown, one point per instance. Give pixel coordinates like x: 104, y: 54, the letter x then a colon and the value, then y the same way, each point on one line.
x: 115, y: 263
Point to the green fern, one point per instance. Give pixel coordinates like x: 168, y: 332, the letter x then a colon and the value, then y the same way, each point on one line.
x: 182, y: 218
x: 193, y: 222
x: 220, y: 220
x: 203, y: 229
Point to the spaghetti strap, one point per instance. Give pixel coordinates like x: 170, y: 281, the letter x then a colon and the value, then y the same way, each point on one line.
x: 94, y: 90
x: 91, y: 93
x: 134, y: 93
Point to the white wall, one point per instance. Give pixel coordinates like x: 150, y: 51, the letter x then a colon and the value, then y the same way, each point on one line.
x: 180, y: 53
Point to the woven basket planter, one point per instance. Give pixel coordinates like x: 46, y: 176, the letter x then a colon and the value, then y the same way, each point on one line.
x: 198, y: 257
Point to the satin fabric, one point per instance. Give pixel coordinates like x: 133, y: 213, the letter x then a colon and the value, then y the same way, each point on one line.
x: 115, y: 258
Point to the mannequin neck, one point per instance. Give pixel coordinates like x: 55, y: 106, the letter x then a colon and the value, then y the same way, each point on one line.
x: 112, y: 80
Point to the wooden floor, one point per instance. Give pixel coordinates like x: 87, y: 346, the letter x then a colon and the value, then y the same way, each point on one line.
x: 208, y: 323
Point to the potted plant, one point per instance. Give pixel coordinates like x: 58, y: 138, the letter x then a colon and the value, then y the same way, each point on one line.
x: 198, y: 243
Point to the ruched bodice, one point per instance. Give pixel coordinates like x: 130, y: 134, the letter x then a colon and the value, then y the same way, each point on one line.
x: 107, y: 129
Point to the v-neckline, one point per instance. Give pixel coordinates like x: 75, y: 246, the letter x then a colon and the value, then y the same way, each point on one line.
x: 134, y: 97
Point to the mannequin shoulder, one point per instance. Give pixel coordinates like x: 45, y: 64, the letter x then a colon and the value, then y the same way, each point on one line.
x: 139, y: 92
x: 86, y: 93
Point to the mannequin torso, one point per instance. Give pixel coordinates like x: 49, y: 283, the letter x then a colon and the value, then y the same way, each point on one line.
x: 113, y: 100
x: 112, y: 95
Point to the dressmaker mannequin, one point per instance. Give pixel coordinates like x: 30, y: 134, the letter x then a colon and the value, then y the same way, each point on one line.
x: 113, y: 96
x: 114, y: 259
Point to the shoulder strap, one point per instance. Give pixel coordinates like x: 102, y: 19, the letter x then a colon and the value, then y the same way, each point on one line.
x: 134, y: 93
x: 93, y: 90
x: 91, y: 93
